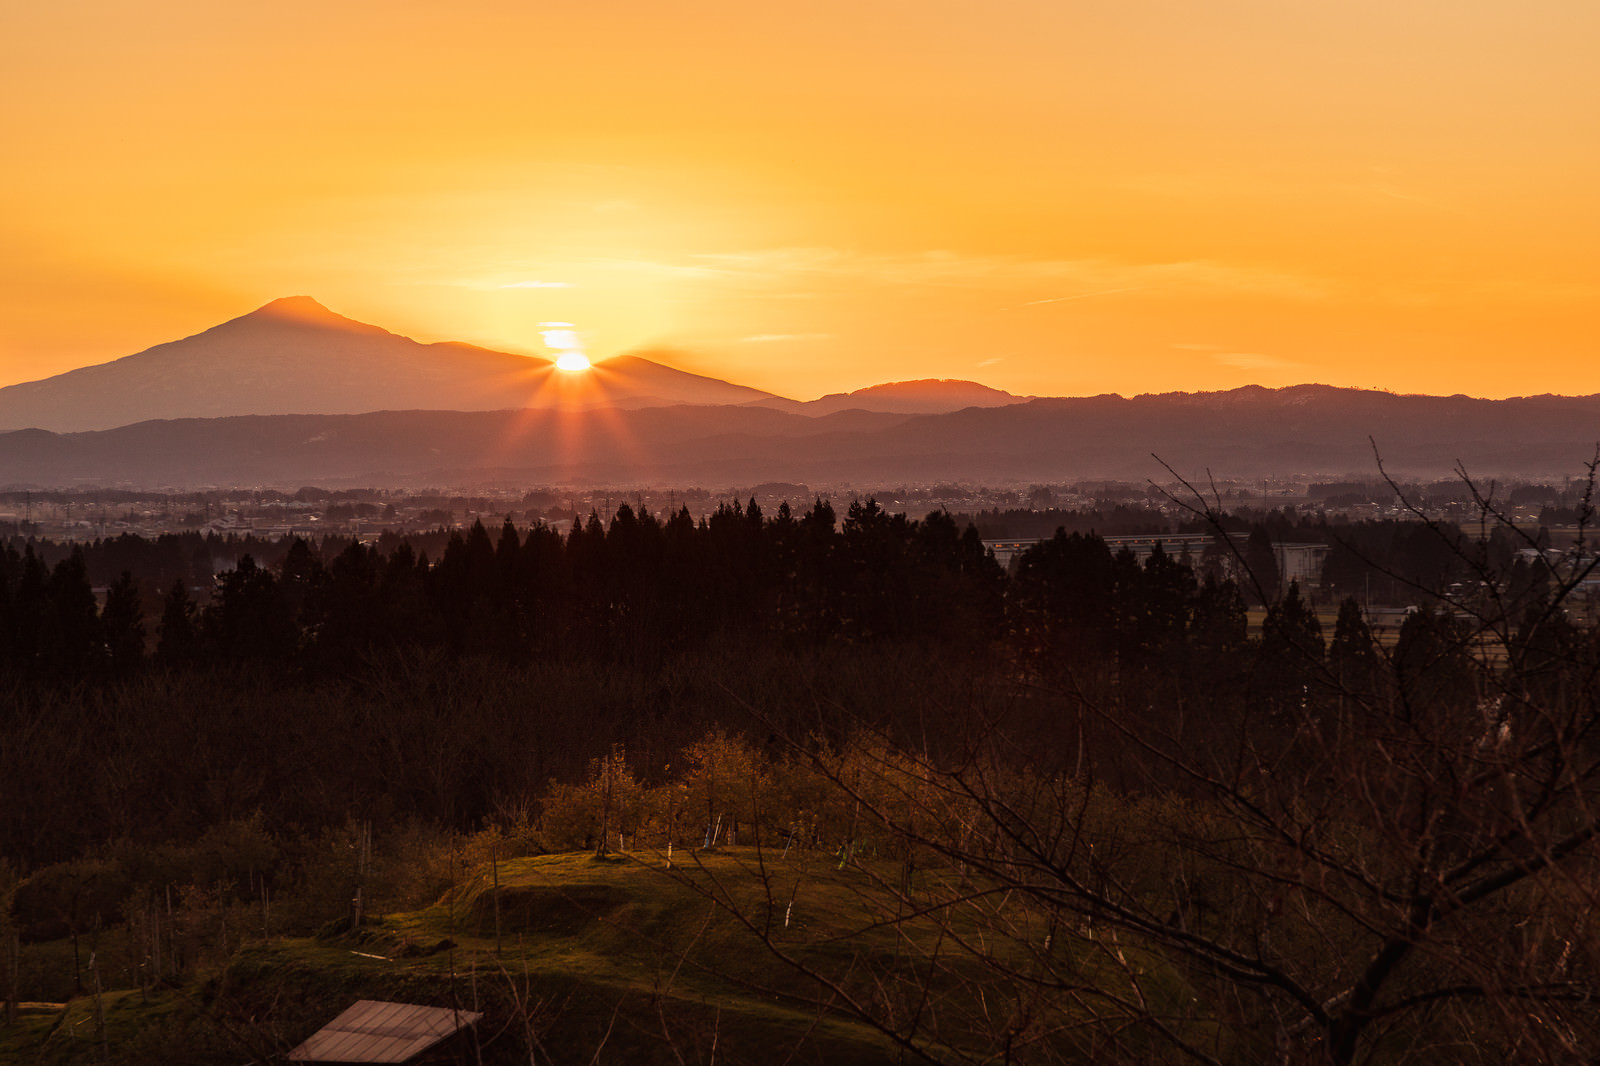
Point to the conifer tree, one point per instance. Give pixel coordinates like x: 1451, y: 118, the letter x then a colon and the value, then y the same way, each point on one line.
x: 177, y: 637
x: 123, y: 622
x: 1352, y: 655
x: 71, y: 644
x: 1261, y: 566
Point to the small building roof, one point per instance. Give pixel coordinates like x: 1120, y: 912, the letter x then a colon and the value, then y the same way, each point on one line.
x: 375, y: 1031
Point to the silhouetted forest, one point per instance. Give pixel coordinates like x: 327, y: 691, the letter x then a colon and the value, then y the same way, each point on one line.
x: 227, y: 737
x: 448, y: 676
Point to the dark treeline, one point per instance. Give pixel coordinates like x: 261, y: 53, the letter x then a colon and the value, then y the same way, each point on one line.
x: 631, y: 591
x: 1393, y: 561
x: 1024, y: 523
x: 628, y: 592
x: 452, y: 675
x: 194, y: 557
x: 446, y: 679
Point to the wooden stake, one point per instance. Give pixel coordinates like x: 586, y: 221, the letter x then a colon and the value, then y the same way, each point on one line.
x: 99, y: 1009
x: 494, y: 866
x: 172, y: 934
x: 14, y: 949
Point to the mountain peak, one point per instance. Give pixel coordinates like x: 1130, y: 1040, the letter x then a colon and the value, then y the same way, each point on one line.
x: 940, y: 387
x: 295, y: 307
x: 302, y: 311
x: 922, y: 396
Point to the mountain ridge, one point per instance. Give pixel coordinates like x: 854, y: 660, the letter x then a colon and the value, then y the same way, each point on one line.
x: 918, y: 396
x: 1051, y: 439
x: 394, y: 408
x: 293, y: 355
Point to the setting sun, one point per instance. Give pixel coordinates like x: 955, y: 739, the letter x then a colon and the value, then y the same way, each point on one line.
x: 561, y: 338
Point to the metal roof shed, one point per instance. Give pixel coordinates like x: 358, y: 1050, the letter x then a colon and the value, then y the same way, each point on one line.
x: 374, y: 1031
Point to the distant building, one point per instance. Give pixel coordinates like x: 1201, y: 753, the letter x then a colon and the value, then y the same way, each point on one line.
x: 1300, y: 562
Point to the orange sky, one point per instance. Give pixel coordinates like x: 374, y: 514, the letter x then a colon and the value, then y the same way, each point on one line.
x: 1049, y: 196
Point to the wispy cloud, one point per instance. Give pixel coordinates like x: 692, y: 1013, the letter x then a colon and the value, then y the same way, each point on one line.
x: 666, y: 268
x: 1255, y: 361
x: 495, y: 282
x: 1080, y: 296
x: 804, y: 266
x: 810, y: 271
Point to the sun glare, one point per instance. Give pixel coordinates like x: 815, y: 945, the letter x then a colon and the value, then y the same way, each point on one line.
x: 562, y: 338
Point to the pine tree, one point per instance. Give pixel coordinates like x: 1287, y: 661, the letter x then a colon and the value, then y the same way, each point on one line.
x: 1352, y: 655
x: 123, y: 623
x: 70, y: 644
x: 1261, y: 562
x: 177, y: 636
x: 1291, y: 657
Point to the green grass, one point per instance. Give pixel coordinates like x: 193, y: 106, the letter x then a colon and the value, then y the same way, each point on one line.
x: 634, y: 962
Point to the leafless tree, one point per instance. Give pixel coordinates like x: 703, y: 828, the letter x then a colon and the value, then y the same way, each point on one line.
x: 1400, y: 871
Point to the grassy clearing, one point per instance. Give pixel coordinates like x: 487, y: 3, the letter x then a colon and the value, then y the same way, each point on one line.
x: 732, y: 955
x: 609, y: 956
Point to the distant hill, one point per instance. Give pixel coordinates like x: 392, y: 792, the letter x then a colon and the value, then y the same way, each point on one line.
x: 634, y: 381
x: 927, y: 396
x: 1251, y: 432
x: 294, y: 356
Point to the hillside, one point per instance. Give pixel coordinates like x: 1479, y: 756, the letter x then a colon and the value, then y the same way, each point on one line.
x: 1253, y: 432
x: 923, y: 397
x: 625, y: 956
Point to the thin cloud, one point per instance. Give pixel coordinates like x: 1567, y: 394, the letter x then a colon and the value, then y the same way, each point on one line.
x: 1081, y: 296
x: 805, y: 271
x: 493, y: 284
x: 1255, y: 361
x: 945, y: 268
x: 661, y: 268
x: 1251, y: 361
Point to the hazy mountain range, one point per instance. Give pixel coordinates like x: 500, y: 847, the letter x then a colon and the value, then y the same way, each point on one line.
x: 295, y: 357
x: 293, y: 394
